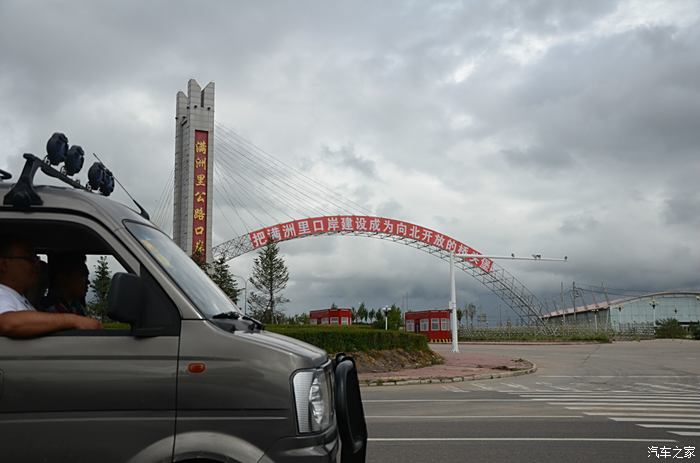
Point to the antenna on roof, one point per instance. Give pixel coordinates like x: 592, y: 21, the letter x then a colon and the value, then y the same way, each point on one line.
x: 142, y: 211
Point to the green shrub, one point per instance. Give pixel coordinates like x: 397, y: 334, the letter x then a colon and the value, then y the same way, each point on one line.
x: 694, y: 329
x: 670, y: 328
x: 352, y: 338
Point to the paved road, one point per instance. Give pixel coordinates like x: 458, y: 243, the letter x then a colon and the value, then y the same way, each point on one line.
x: 602, y: 403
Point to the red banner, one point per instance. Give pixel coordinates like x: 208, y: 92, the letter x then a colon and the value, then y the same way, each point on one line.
x: 199, y: 205
x: 368, y: 224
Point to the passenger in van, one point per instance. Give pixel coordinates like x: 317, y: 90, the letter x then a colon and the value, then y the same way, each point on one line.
x: 19, y: 267
x: 68, y: 277
x: 37, y: 292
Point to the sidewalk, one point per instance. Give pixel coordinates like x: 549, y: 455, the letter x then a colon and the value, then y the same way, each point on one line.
x: 460, y: 366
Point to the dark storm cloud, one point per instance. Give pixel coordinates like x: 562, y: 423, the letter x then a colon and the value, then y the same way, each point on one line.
x: 539, y: 160
x: 345, y: 156
x: 515, y: 126
x: 683, y: 210
x: 578, y: 224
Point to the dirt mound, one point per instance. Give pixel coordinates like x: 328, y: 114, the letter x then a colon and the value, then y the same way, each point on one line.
x: 380, y: 361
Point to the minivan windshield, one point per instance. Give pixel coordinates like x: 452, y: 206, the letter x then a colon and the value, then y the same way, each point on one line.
x: 197, y: 286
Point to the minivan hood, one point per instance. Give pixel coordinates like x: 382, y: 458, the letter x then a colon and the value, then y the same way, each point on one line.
x: 300, y: 348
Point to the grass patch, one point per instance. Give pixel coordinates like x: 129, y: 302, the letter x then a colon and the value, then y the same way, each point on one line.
x: 352, y: 338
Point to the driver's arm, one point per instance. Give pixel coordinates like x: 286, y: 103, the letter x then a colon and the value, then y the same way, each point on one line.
x: 27, y: 323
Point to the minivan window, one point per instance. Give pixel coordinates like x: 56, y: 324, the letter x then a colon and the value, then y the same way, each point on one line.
x: 197, y: 286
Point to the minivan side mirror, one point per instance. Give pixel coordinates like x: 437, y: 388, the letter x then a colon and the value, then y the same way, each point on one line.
x: 124, y: 302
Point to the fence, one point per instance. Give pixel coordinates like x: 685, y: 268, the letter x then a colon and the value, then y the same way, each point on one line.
x: 568, y: 332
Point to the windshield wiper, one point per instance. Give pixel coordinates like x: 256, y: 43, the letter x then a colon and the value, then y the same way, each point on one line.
x: 231, y: 314
x: 239, y: 316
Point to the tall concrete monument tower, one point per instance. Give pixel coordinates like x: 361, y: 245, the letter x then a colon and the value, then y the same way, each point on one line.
x: 194, y: 169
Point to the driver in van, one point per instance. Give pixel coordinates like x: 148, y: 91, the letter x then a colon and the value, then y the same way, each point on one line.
x: 19, y: 267
x: 68, y: 276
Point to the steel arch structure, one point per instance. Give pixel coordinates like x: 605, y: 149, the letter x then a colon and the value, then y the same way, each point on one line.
x: 496, y: 278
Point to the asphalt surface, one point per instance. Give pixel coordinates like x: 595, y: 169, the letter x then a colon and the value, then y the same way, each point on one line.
x: 586, y: 402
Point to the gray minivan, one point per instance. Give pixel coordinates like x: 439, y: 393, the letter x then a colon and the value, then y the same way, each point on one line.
x: 188, y: 377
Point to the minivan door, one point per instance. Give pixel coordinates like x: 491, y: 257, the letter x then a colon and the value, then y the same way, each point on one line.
x: 91, y: 396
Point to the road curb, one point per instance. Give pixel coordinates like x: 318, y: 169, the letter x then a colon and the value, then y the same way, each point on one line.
x: 393, y: 381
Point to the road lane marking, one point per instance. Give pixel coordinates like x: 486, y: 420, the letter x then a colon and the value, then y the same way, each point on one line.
x: 658, y: 420
x: 611, y: 397
x: 481, y: 387
x: 453, y: 388
x: 686, y: 386
x: 620, y: 376
x: 532, y: 439
x: 376, y: 401
x: 670, y: 426
x: 623, y: 404
x: 517, y: 386
x: 642, y: 415
x: 658, y: 386
x: 676, y: 403
x: 462, y: 417
x: 631, y: 409
x: 684, y: 433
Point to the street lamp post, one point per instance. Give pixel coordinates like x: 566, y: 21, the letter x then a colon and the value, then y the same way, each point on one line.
x: 245, y: 292
x: 652, y: 303
x: 453, y: 304
x: 386, y: 317
x: 619, y: 319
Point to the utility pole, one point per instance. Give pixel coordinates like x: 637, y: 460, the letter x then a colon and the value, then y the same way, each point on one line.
x: 573, y: 298
x: 453, y: 304
x: 595, y: 311
x: 563, y: 308
x: 607, y: 301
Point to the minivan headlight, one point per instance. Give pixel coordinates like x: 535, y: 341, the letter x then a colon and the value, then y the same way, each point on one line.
x: 313, y: 398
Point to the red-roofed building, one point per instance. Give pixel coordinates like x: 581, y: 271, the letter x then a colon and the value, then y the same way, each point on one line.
x: 435, y: 324
x: 337, y: 317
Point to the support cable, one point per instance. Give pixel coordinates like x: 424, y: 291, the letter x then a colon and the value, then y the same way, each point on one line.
x: 341, y: 202
x: 243, y: 176
x: 269, y: 173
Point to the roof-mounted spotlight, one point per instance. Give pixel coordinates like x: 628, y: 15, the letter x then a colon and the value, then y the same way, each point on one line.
x: 100, y: 178
x: 56, y: 148
x: 74, y: 160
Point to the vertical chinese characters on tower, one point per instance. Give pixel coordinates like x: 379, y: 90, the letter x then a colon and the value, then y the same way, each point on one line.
x: 199, y: 206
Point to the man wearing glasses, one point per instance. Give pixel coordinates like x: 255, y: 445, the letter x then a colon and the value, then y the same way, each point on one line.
x: 19, y: 267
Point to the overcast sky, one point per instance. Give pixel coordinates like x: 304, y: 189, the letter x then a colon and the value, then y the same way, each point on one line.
x: 561, y: 128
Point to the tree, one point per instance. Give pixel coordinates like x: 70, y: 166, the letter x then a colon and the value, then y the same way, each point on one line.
x: 199, y: 258
x: 394, y: 318
x: 270, y: 277
x: 222, y: 276
x: 298, y: 319
x: 371, y: 315
x: 353, y: 314
x: 460, y: 314
x: 362, y: 312
x: 100, y: 288
x: 378, y: 319
x: 471, y: 311
x: 334, y: 306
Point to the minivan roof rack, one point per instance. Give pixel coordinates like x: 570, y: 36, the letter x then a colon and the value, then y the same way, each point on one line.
x: 23, y: 195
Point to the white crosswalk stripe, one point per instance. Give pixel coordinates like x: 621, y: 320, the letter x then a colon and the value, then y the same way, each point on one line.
x: 672, y: 407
